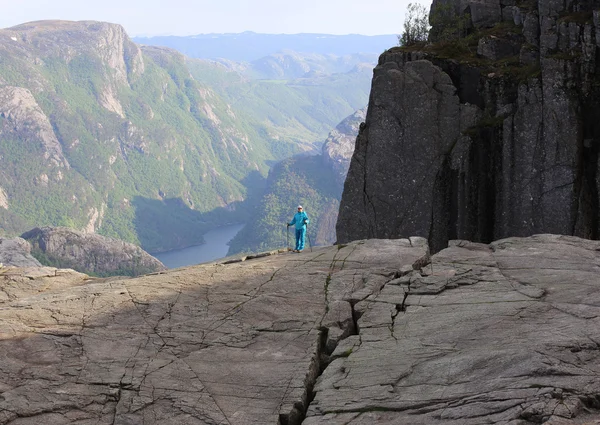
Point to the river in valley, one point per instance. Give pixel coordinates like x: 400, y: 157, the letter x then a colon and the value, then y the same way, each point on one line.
x: 215, y: 247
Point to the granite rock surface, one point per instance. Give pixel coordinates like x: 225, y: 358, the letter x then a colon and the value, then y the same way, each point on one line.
x: 375, y: 331
x: 16, y: 252
x: 491, y: 135
x: 506, y: 333
x: 91, y: 253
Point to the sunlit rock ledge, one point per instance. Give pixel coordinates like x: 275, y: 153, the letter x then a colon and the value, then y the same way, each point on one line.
x: 375, y: 331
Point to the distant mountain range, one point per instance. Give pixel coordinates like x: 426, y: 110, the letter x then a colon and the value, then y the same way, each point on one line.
x: 289, y: 64
x: 250, y: 46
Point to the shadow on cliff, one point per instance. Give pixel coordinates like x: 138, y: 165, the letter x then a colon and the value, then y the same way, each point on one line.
x: 163, y: 225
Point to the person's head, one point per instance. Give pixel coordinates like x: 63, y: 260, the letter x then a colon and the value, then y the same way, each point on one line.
x: 300, y: 208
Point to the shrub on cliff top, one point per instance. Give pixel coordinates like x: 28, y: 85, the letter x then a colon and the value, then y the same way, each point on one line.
x: 416, y: 25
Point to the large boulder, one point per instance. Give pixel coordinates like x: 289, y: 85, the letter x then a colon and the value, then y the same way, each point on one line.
x: 90, y: 253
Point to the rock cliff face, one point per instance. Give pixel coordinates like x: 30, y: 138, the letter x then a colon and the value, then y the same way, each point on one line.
x: 373, y: 332
x: 492, y: 135
x: 339, y: 146
x: 91, y: 253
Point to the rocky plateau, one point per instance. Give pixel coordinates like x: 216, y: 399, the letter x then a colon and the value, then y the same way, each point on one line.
x: 375, y: 331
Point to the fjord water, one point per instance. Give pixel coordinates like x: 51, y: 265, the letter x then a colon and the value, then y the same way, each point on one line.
x: 215, y: 247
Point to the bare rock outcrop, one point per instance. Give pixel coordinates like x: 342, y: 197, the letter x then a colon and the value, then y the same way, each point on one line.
x: 374, y: 331
x: 339, y: 146
x: 3, y: 199
x: 91, y: 253
x: 505, y: 333
x: 16, y: 252
x: 22, y: 115
x: 68, y: 39
x: 492, y: 135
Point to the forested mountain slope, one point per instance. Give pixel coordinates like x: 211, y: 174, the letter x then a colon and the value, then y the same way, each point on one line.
x: 100, y: 135
x: 315, y: 181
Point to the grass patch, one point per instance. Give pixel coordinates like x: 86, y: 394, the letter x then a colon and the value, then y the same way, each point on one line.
x: 576, y: 17
x: 486, y: 121
x: 464, y: 50
x: 565, y: 56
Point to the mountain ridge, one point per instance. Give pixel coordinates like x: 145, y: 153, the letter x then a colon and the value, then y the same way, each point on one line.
x: 251, y: 46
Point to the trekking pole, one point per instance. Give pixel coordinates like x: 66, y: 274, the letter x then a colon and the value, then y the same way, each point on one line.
x: 309, y: 242
x: 287, y: 242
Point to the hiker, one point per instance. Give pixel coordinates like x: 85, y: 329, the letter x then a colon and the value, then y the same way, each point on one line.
x: 300, y: 220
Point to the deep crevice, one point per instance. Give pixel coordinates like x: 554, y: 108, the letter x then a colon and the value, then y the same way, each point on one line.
x: 317, y: 366
x: 355, y: 317
x: 319, y: 363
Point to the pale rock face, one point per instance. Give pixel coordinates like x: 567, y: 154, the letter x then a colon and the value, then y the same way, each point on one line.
x: 95, y: 216
x: 42, y: 180
x: 3, y: 199
x: 109, y: 101
x: 23, y: 114
x: 109, y: 41
x: 339, y: 146
x: 208, y: 111
x: 16, y: 252
x: 91, y: 253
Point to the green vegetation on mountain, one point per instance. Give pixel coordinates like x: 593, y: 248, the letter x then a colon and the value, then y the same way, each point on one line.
x: 315, y: 181
x: 299, y: 180
x: 289, y: 111
x: 144, y: 144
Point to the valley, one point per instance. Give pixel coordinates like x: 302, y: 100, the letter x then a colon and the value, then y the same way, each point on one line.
x: 144, y: 144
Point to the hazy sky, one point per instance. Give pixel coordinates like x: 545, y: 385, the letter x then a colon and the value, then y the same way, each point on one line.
x: 187, y: 17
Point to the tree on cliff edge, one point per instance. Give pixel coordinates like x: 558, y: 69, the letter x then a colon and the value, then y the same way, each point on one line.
x: 416, y: 25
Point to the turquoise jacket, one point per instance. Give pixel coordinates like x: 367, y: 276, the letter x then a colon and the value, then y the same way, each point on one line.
x: 300, y: 220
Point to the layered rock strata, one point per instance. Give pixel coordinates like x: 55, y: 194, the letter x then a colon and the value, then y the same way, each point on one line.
x: 490, y: 135
x: 370, y: 332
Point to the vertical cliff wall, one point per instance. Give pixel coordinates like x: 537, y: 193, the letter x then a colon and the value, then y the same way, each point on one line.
x: 489, y: 135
